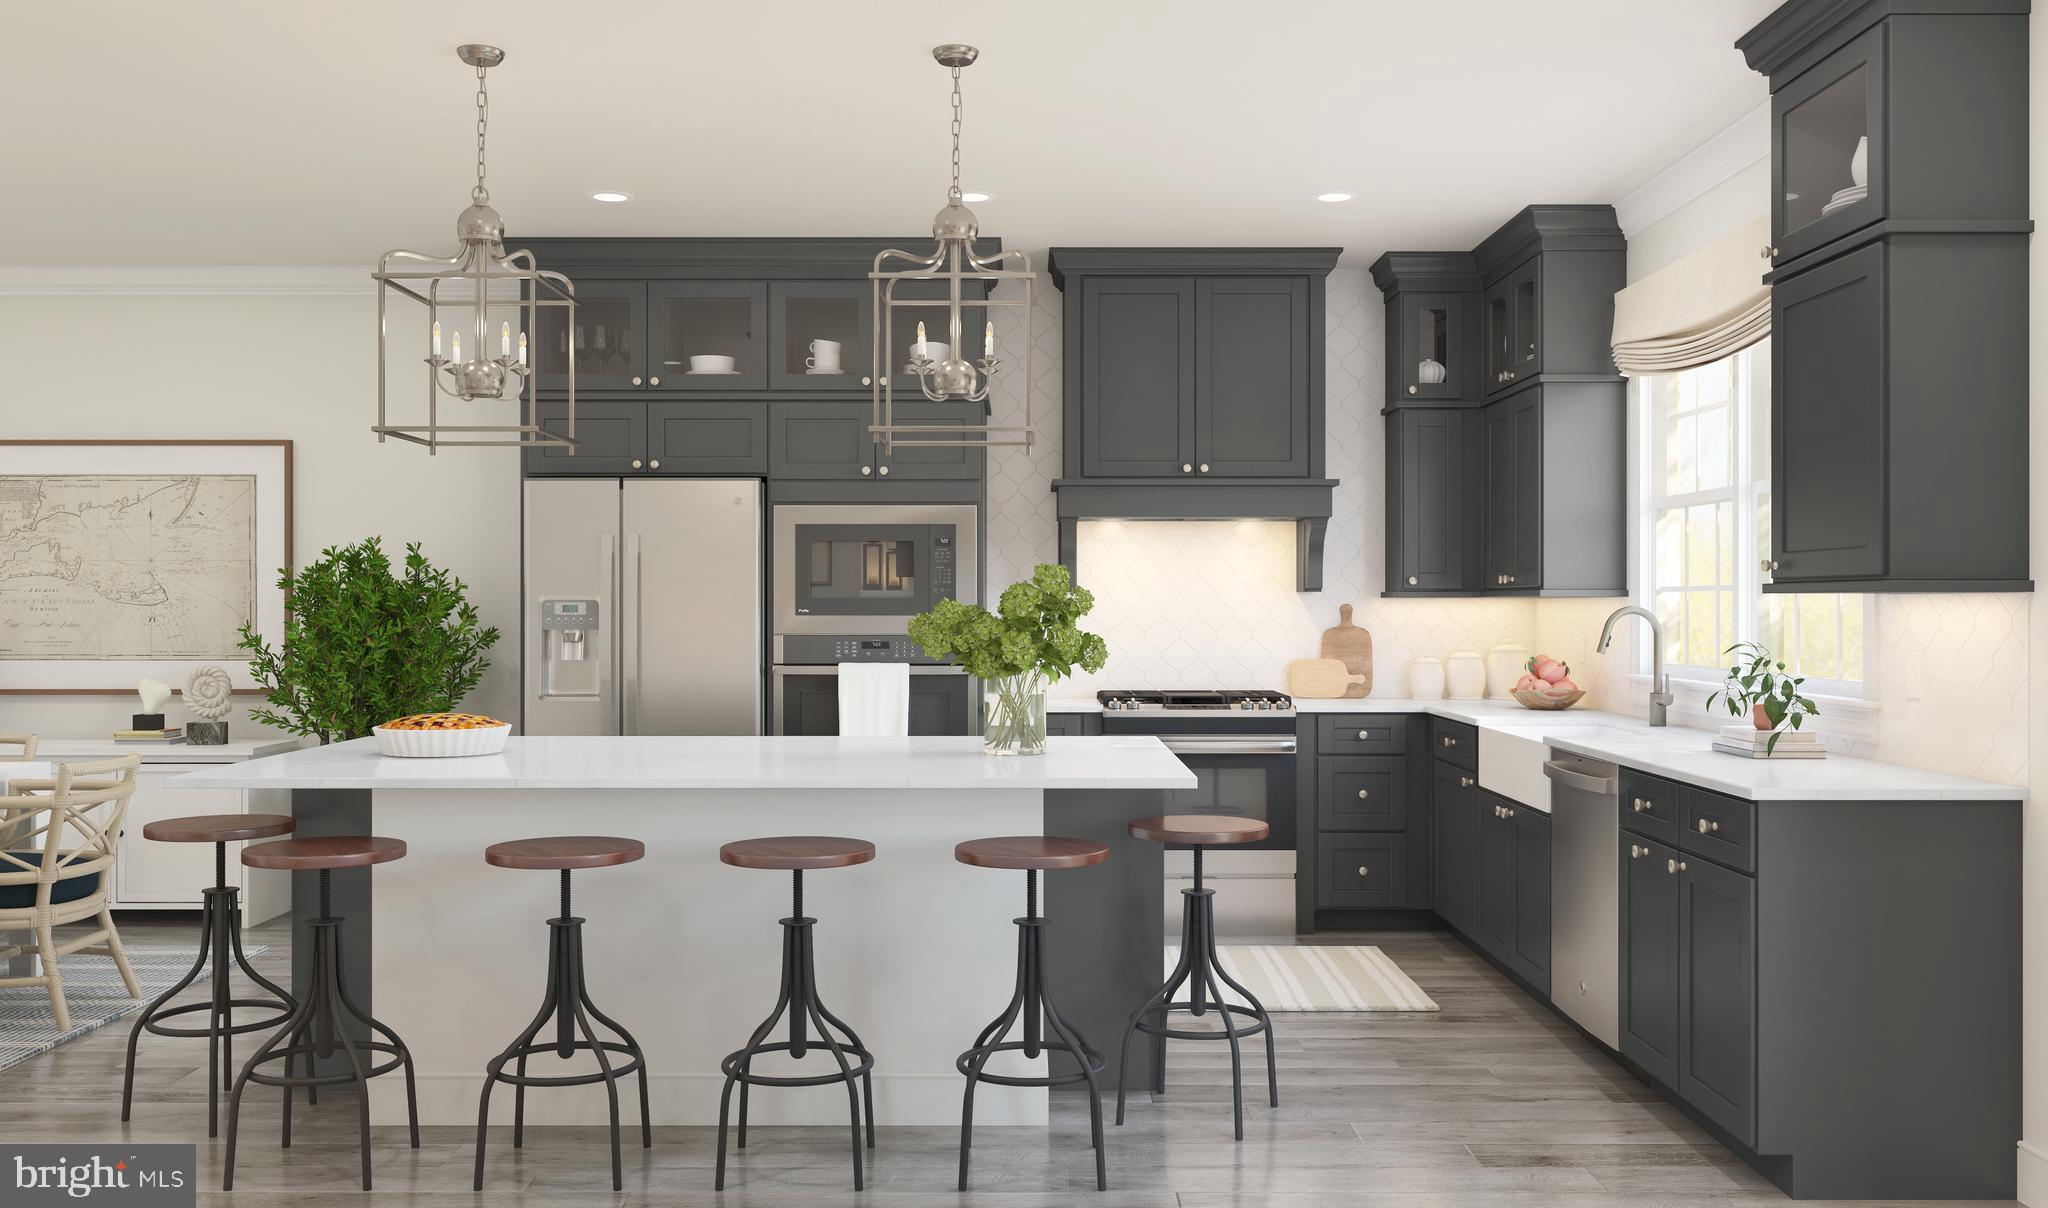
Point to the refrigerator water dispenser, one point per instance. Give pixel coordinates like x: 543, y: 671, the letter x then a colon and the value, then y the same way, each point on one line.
x: 568, y: 654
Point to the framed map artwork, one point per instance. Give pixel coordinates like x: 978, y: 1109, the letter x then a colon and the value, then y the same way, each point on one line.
x: 121, y: 559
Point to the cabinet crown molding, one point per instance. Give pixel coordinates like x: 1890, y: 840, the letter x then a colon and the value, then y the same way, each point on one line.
x: 1807, y: 30
x: 1062, y: 262
x: 1549, y: 228
x: 1428, y: 272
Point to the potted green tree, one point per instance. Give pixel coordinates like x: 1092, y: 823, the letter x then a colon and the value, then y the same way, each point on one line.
x: 1759, y: 686
x: 1030, y: 640
x: 363, y: 645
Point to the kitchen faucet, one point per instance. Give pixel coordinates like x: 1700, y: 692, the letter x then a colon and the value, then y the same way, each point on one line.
x: 1660, y: 688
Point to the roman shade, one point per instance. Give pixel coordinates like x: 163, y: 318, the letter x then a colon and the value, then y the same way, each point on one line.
x: 1696, y: 310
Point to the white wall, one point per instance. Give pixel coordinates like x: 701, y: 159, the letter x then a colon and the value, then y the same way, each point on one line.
x: 2033, y: 1161
x: 299, y: 365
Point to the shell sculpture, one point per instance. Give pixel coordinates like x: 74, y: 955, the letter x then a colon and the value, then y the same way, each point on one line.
x: 207, y: 694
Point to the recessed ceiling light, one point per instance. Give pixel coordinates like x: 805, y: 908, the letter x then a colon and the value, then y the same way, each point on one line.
x: 977, y: 197
x: 1333, y: 197
x: 610, y: 197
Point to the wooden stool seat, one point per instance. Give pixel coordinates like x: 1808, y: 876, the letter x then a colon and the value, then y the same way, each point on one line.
x: 565, y: 851
x: 324, y: 851
x: 219, y: 828
x: 1202, y: 830
x: 797, y: 852
x: 1031, y: 852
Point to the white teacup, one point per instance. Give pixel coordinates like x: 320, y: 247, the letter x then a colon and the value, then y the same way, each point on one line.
x: 930, y: 350
x: 712, y: 364
x: 824, y: 355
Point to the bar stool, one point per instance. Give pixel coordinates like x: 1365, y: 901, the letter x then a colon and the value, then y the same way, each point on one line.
x: 1032, y: 1000
x: 1199, y: 968
x: 568, y: 998
x: 799, y: 994
x: 220, y: 933
x: 319, y: 1024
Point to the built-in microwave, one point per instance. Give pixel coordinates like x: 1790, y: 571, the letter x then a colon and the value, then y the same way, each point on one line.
x: 842, y: 569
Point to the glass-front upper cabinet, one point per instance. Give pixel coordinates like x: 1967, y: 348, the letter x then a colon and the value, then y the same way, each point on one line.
x: 708, y: 335
x: 1433, y: 357
x: 824, y: 335
x: 1514, y: 326
x: 1827, y: 161
x: 608, y: 337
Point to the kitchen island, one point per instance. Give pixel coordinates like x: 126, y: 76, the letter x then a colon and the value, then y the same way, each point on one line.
x: 916, y: 951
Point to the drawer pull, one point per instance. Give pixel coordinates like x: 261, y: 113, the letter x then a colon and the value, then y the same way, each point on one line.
x: 1464, y: 782
x: 1674, y: 866
x: 1364, y: 734
x: 1364, y: 793
x: 1708, y: 826
x: 1361, y: 870
x: 1635, y: 851
x: 1448, y: 741
x: 1640, y: 806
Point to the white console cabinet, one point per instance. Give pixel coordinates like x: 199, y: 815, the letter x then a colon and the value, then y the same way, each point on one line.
x: 170, y: 876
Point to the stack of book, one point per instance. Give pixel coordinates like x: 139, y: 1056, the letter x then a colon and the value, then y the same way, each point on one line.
x: 1752, y: 743
x: 168, y: 735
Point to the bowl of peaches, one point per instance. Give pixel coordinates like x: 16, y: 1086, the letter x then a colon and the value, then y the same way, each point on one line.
x: 1547, y: 684
x: 441, y: 736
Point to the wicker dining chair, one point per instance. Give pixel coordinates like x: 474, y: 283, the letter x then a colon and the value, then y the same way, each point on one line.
x: 27, y: 743
x: 58, y: 867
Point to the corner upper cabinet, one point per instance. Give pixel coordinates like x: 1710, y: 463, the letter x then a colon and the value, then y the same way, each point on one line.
x: 1827, y: 128
x: 1433, y: 511
x: 1433, y: 327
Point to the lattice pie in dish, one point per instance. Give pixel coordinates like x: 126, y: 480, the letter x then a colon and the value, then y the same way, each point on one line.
x: 442, y: 735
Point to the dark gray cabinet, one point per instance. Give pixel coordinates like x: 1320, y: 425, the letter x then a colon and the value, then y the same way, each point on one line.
x: 1496, y: 875
x: 1460, y: 820
x: 1513, y: 317
x: 1559, y: 533
x: 824, y: 441
x: 1252, y: 376
x: 1364, y: 817
x: 609, y: 339
x: 1717, y: 994
x: 707, y: 318
x: 1361, y: 792
x: 1529, y: 955
x: 1649, y: 957
x: 707, y: 438
x: 611, y: 438
x: 1433, y: 328
x: 1514, y: 491
x: 1362, y: 872
x: 805, y: 314
x: 1141, y: 378
x: 1433, y: 497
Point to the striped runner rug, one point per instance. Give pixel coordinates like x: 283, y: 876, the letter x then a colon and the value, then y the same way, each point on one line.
x: 96, y: 996
x: 1316, y: 977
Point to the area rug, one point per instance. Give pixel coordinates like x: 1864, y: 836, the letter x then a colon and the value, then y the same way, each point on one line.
x: 1316, y: 977
x: 93, y: 991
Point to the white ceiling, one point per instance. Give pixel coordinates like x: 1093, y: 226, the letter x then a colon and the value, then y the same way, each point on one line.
x: 267, y: 132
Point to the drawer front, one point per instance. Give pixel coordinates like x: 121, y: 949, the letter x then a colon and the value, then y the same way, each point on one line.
x: 1363, y: 734
x: 1649, y: 805
x: 1454, y: 742
x: 1718, y: 827
x: 1362, y: 793
x: 1361, y: 872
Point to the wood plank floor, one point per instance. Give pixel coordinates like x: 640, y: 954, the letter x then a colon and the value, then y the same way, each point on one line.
x: 1490, y: 1102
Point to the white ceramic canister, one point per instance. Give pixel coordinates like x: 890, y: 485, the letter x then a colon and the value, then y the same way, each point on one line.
x: 1465, y: 676
x: 1425, y: 679
x: 1505, y: 664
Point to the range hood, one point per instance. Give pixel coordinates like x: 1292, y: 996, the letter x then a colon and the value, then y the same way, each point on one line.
x: 1305, y: 501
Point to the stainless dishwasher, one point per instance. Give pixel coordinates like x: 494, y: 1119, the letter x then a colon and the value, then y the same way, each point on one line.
x: 1585, y: 904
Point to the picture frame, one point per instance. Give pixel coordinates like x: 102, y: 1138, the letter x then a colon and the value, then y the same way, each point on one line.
x: 126, y: 559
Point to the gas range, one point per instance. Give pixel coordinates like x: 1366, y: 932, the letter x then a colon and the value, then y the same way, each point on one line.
x: 1184, y: 703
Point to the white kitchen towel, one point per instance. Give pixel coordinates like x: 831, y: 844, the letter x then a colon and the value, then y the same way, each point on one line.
x: 874, y: 700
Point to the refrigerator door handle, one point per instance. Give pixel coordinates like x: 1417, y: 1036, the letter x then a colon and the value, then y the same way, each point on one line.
x: 608, y: 667
x: 629, y: 631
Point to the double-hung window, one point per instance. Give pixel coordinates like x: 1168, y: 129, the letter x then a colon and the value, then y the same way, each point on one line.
x: 1707, y: 520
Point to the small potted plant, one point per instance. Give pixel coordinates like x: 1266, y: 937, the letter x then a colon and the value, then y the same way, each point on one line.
x: 1759, y: 686
x: 1030, y: 640
x: 362, y: 645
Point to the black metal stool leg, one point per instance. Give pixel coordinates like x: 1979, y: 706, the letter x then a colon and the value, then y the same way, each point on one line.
x: 1272, y: 1065
x: 191, y: 975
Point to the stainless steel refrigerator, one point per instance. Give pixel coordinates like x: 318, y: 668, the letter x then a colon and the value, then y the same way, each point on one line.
x: 643, y: 606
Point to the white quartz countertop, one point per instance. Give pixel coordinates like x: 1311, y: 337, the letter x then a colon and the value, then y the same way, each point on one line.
x: 1124, y: 762
x: 1683, y: 753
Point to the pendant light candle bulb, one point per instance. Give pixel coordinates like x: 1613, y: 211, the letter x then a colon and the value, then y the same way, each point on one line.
x: 437, y: 339
x: 505, y: 339
x: 920, y: 331
x: 522, y: 348
x: 988, y: 338
x: 455, y: 346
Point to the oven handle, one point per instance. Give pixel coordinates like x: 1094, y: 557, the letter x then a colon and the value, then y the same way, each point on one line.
x: 1182, y: 744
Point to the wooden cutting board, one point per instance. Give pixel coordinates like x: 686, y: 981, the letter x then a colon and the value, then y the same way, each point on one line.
x: 1320, y: 679
x: 1352, y: 646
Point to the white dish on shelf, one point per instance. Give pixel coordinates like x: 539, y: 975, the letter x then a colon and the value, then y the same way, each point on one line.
x: 711, y: 373
x: 441, y: 744
x: 832, y: 372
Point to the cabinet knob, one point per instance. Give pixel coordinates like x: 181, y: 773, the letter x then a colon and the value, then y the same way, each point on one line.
x: 1364, y: 793
x: 654, y: 381
x: 1635, y: 851
x: 1768, y: 252
x: 1205, y: 467
x: 654, y: 465
x: 1769, y: 565
x: 1364, y: 734
x: 866, y: 470
x: 1708, y: 826
x: 1412, y: 580
x: 1185, y: 468
x: 1415, y: 390
x: 636, y: 381
x: 1640, y: 806
x: 1448, y: 741
x: 1464, y: 782
x: 1507, y: 811
x: 884, y: 471
x: 1361, y: 870
x: 1674, y: 867
x: 636, y: 463
x: 866, y: 381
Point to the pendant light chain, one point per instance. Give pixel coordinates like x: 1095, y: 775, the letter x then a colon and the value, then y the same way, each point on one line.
x: 481, y: 195
x: 955, y: 194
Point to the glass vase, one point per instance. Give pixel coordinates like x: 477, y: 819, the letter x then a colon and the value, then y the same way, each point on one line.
x: 1013, y: 715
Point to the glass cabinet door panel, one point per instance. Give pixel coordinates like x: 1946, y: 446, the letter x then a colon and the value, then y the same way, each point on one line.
x: 724, y: 322
x: 611, y: 317
x: 1500, y: 336
x: 1526, y: 296
x: 1433, y: 348
x: 1827, y: 161
x: 824, y: 335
